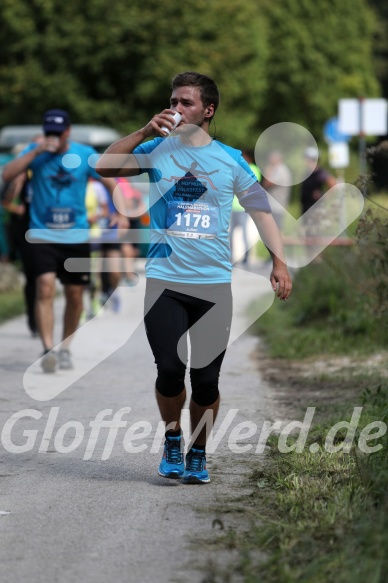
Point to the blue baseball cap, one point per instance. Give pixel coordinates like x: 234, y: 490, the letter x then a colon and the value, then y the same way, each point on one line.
x: 56, y: 120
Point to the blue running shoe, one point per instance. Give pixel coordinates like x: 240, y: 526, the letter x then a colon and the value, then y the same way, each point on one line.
x: 196, y: 472
x: 172, y: 465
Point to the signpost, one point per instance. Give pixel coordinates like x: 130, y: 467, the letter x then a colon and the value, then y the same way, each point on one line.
x: 332, y: 132
x: 338, y: 155
x: 338, y: 144
x: 363, y: 117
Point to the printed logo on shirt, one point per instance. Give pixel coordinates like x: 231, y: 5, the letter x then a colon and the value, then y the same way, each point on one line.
x: 60, y: 181
x: 193, y: 184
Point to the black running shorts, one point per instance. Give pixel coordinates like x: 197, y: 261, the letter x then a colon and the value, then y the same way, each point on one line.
x: 51, y: 258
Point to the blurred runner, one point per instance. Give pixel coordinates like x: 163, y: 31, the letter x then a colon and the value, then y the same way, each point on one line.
x: 59, y: 227
x: 98, y: 216
x: 135, y: 208
x: 16, y: 201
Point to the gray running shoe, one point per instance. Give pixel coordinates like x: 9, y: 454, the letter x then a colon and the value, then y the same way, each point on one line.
x: 49, y: 361
x: 65, y: 362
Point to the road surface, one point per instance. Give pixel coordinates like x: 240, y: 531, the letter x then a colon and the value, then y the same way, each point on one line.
x: 83, y: 504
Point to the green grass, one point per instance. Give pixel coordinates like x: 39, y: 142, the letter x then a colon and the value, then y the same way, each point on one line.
x: 286, y: 339
x: 315, y: 517
x: 11, y: 305
x: 329, y: 312
x: 330, y: 508
x: 289, y: 340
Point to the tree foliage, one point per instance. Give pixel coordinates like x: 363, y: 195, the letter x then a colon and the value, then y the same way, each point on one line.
x: 112, y: 63
x: 320, y: 51
x: 380, y: 44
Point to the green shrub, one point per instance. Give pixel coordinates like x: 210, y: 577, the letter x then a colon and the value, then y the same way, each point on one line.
x: 333, y: 293
x: 339, y: 304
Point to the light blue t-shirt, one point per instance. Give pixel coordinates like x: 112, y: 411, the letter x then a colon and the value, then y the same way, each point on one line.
x: 191, y: 194
x: 59, y: 185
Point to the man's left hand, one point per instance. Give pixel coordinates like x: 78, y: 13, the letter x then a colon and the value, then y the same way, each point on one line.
x: 281, y: 281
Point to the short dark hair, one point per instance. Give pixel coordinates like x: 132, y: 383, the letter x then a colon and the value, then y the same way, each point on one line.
x: 208, y: 89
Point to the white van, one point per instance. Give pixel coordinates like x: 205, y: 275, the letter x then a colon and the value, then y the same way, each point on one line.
x: 97, y: 136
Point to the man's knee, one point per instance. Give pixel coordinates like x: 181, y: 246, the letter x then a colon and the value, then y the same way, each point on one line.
x: 74, y: 294
x: 45, y: 286
x: 171, y: 378
x: 204, y: 384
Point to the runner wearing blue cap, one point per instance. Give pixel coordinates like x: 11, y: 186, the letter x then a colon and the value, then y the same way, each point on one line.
x: 58, y: 226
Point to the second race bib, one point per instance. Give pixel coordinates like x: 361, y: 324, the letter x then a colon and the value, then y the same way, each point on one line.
x: 60, y: 218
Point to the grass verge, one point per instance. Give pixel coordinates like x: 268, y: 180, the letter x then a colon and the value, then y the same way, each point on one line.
x: 11, y: 305
x: 323, y: 516
x: 318, y: 515
x: 330, y: 312
x: 314, y: 516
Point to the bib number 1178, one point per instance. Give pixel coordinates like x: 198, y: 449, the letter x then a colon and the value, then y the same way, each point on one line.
x: 192, y: 220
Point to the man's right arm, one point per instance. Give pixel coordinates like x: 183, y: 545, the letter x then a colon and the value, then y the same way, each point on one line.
x: 118, y: 160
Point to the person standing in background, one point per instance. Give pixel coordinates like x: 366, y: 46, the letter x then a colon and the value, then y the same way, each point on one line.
x: 277, y: 182
x: 16, y: 201
x: 317, y: 181
x: 312, y: 189
x: 239, y: 217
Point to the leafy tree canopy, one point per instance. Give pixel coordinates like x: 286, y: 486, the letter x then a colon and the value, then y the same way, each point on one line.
x: 320, y: 51
x: 112, y: 62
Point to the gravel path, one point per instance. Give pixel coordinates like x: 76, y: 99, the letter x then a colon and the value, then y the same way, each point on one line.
x: 69, y: 514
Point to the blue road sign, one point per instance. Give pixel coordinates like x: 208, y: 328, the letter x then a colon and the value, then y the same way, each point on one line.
x: 331, y: 132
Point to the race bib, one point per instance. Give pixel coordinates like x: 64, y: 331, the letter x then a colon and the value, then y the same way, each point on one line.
x: 192, y: 220
x: 60, y: 218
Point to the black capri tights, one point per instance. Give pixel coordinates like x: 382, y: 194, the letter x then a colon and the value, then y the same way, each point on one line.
x: 169, y: 314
